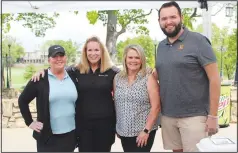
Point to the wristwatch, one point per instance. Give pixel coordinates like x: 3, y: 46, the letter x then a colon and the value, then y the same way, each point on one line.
x: 146, y: 131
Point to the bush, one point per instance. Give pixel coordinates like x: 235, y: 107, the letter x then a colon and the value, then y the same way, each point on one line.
x: 30, y: 70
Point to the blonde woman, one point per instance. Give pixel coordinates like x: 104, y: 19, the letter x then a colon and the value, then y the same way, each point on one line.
x: 137, y: 103
x: 95, y: 113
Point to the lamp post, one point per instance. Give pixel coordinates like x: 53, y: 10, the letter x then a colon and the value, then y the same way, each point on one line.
x: 10, y: 42
x: 222, y: 49
x: 9, y: 63
x: 8, y: 85
x: 229, y: 10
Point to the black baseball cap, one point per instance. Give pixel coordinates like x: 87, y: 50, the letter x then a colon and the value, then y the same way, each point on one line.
x: 55, y: 49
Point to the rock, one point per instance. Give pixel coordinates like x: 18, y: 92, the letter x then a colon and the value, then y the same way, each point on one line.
x: 17, y: 115
x: 34, y: 115
x: 20, y: 123
x: 7, y: 108
x: 5, y: 121
x: 16, y: 110
x: 11, y: 125
x: 9, y: 93
x: 33, y: 103
x: 33, y: 109
x: 15, y: 103
x: 34, y: 118
x: 12, y: 119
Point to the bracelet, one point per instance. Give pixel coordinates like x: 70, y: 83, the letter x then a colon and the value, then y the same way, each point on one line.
x: 214, y: 117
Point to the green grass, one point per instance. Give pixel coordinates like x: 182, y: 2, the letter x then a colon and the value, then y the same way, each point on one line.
x: 17, y: 74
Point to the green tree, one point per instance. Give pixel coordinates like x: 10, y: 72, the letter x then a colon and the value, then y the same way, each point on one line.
x: 29, y: 72
x: 118, y: 22
x: 37, y: 22
x: 225, y: 47
x: 16, y: 50
x: 231, y: 55
x: 189, y: 17
x: 70, y: 47
x: 145, y: 41
x: 133, y: 20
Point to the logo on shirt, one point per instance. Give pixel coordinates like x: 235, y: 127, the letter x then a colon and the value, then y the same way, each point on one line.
x: 181, y: 46
x: 103, y: 75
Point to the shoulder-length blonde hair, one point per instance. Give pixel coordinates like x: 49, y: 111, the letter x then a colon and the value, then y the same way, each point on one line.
x: 141, y: 53
x: 105, y: 61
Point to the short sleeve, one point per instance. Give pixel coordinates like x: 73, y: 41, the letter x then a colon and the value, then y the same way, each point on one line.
x: 205, y: 52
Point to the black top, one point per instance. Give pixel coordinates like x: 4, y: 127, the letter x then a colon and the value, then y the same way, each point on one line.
x: 40, y: 91
x: 96, y: 102
x: 95, y: 94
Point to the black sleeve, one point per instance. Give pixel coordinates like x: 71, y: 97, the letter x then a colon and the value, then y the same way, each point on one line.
x: 71, y: 68
x: 28, y: 94
x: 116, y: 69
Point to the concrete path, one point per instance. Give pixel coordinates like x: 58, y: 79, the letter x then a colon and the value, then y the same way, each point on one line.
x: 20, y: 140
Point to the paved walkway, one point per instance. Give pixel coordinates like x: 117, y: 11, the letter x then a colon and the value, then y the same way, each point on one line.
x: 20, y: 140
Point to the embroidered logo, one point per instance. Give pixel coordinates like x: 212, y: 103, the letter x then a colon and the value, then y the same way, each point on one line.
x: 103, y: 75
x: 181, y: 46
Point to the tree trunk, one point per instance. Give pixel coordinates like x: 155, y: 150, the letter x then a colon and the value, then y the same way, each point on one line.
x: 227, y: 71
x: 111, y: 38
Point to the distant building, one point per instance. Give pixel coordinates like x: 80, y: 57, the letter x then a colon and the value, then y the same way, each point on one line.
x: 37, y: 56
x: 40, y: 57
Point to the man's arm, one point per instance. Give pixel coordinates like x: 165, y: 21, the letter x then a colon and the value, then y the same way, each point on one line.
x: 214, y: 84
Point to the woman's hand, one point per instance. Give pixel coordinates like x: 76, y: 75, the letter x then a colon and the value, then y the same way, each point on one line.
x: 36, y: 126
x: 141, y: 139
x: 36, y: 76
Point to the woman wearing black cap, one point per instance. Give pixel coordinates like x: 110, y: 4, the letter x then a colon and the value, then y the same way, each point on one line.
x: 56, y: 95
x: 95, y: 112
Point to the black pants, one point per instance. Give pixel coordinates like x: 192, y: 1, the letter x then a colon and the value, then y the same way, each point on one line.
x: 96, y: 136
x: 129, y: 143
x: 58, y: 143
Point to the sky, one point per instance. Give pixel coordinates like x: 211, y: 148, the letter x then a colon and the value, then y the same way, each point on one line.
x: 78, y: 29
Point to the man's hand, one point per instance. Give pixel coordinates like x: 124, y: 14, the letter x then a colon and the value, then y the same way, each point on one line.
x: 36, y: 76
x: 212, y: 125
x: 36, y: 126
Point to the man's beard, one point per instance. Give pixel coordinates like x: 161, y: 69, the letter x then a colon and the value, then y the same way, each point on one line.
x: 173, y: 33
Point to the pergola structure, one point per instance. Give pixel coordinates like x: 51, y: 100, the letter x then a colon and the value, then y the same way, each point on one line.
x: 61, y: 6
